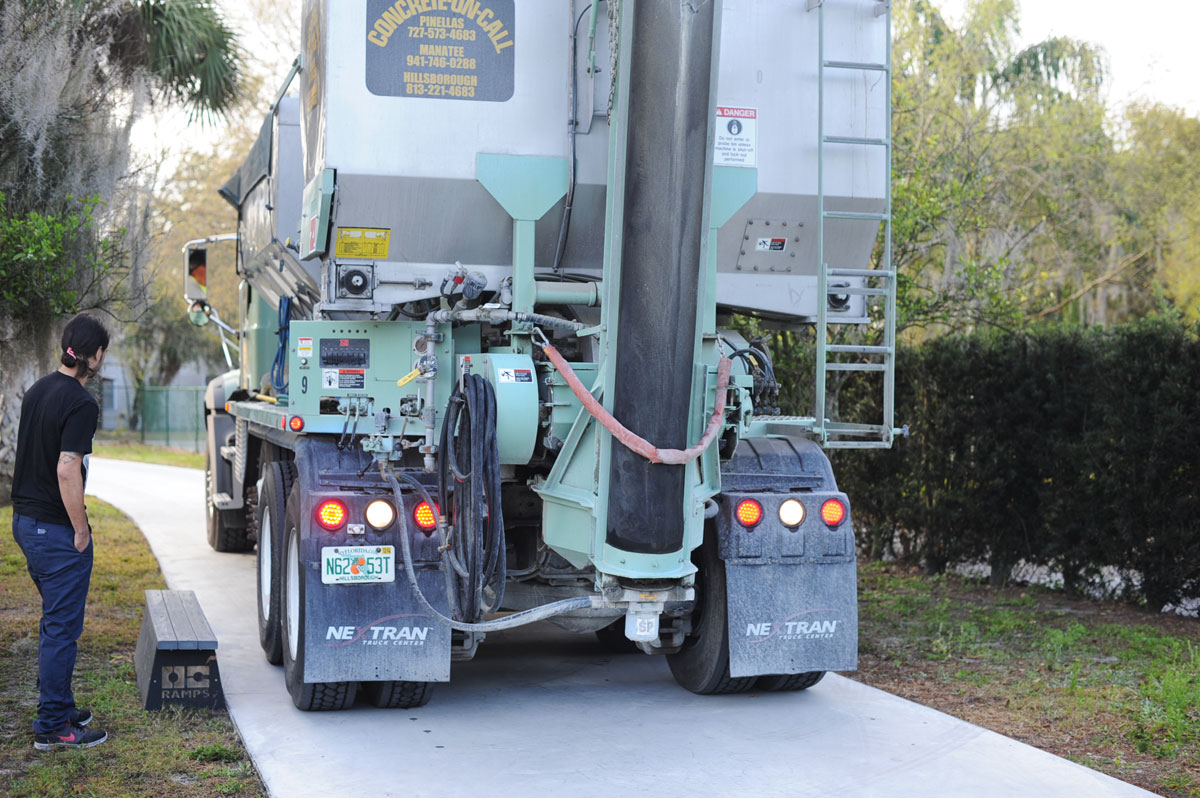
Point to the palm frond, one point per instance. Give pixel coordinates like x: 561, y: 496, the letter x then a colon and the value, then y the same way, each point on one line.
x: 192, y: 53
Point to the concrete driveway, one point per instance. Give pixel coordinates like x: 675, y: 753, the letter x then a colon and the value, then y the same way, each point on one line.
x: 543, y: 711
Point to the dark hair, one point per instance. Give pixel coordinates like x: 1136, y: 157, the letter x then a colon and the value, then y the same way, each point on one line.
x: 84, y: 335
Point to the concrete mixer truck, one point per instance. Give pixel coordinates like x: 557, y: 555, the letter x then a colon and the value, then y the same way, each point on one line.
x: 487, y: 375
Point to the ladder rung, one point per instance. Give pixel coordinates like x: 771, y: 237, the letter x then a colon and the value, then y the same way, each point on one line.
x: 869, y: 67
x: 884, y: 274
x: 859, y: 350
x: 852, y: 290
x: 856, y: 140
x: 867, y: 217
x: 855, y: 367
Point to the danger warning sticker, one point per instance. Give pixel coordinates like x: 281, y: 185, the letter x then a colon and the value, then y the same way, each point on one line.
x: 516, y: 375
x: 770, y: 245
x: 736, y: 137
x: 343, y: 378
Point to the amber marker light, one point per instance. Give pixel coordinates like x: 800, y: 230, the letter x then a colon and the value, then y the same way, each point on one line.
x: 331, y: 514
x: 833, y: 512
x: 749, y: 512
x: 425, y: 517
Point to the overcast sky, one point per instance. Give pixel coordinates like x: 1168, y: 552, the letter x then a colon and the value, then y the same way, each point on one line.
x: 1151, y: 44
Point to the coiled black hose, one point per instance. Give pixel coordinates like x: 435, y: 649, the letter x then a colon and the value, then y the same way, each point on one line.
x: 469, y: 487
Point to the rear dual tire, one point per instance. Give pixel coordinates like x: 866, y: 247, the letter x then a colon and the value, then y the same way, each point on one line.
x: 307, y: 696
x: 271, y: 514
x: 702, y: 664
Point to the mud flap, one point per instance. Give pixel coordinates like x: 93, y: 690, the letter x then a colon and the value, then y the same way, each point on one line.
x: 376, y: 632
x: 792, y: 617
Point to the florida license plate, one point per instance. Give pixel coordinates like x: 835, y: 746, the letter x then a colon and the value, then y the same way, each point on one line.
x: 343, y: 565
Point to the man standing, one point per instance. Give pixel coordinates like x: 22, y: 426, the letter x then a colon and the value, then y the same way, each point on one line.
x: 58, y: 420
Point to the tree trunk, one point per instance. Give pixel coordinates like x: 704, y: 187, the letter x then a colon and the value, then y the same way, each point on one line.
x: 26, y: 354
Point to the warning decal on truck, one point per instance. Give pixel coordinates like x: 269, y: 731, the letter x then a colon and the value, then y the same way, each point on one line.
x: 441, y: 49
x: 352, y: 379
x: 366, y: 243
x: 736, y: 137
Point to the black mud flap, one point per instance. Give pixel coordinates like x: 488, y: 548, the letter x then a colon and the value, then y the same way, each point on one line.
x: 792, y: 618
x: 792, y: 592
x: 376, y: 632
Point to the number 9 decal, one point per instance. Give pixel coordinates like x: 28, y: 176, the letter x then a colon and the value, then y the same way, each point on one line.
x: 304, y: 385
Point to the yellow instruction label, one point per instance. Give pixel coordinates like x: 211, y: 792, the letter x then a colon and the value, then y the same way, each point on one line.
x: 367, y: 243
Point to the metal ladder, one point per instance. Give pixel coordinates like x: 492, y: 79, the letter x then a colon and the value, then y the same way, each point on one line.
x: 878, y: 282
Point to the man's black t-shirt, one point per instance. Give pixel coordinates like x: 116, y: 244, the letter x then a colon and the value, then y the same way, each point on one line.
x: 57, y: 415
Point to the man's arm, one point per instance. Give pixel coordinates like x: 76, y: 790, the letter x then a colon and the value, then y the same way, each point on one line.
x: 70, y: 485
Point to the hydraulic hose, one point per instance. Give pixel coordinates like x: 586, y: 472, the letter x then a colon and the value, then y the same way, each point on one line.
x: 627, y: 437
x: 279, y: 365
x: 507, y: 622
x: 477, y: 547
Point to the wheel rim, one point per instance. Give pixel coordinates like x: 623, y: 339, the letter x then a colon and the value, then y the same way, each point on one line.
x: 293, y: 595
x: 264, y: 564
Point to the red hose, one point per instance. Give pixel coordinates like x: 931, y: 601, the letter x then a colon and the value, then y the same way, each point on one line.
x: 635, y: 442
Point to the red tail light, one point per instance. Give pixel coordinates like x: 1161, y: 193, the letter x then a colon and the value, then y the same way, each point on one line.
x: 833, y: 512
x: 331, y: 515
x: 296, y: 423
x: 749, y: 512
x: 425, y: 516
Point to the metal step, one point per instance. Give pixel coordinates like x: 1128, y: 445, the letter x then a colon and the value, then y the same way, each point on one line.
x: 865, y: 66
x: 787, y: 419
x: 867, y: 217
x: 857, y: 445
x: 881, y: 273
x: 856, y: 140
x: 222, y: 501
x: 843, y: 428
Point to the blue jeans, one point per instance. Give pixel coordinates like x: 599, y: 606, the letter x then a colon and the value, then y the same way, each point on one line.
x: 62, y: 575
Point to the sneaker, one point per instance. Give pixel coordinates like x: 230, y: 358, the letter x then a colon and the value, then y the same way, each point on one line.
x: 80, y: 717
x: 69, y: 736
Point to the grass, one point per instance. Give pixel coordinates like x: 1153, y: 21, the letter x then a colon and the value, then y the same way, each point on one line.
x: 144, y: 453
x: 1113, y: 687
x: 170, y: 753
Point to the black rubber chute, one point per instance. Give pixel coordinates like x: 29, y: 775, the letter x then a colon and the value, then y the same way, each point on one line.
x: 671, y: 53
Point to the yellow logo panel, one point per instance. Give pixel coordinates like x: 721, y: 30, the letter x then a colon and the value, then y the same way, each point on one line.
x: 365, y: 243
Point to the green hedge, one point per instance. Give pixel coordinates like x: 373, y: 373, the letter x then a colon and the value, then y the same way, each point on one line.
x: 1073, y: 449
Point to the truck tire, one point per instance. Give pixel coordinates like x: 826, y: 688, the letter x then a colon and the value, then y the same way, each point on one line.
x: 398, y: 695
x: 307, y: 696
x: 702, y: 664
x: 270, y: 518
x: 224, y: 533
x: 789, y: 681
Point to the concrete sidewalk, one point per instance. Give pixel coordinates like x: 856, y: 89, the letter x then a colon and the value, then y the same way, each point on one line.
x: 543, y: 711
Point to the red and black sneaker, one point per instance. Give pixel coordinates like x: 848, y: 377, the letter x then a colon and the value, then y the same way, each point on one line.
x: 80, y: 717
x: 69, y: 736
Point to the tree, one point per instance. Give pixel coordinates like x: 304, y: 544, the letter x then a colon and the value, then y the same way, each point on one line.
x: 74, y: 76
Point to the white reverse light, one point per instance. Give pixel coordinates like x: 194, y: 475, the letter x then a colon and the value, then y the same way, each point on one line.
x: 791, y: 513
x: 380, y: 514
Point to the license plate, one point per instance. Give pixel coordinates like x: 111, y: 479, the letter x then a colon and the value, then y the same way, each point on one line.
x: 346, y: 565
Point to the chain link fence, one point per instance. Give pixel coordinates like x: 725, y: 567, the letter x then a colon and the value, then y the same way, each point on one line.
x: 173, y: 417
